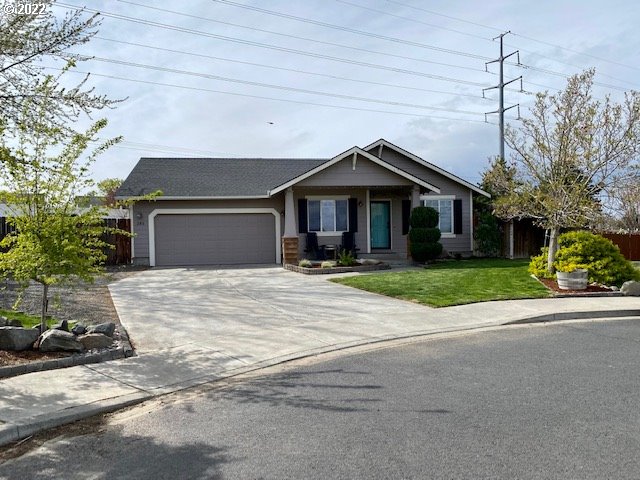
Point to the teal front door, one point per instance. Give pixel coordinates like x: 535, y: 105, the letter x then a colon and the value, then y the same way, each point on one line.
x: 381, y: 224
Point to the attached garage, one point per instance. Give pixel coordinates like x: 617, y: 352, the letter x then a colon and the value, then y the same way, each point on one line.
x: 214, y: 237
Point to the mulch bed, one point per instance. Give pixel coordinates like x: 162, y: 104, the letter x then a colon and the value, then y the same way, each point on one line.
x: 88, y: 304
x: 553, y: 285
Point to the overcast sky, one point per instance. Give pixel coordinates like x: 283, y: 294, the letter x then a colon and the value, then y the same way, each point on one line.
x: 195, y: 90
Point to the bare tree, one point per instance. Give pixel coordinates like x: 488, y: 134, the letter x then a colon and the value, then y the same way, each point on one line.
x: 571, y: 151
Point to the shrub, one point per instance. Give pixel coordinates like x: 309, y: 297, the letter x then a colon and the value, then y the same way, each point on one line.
x: 487, y: 235
x: 424, y: 235
x: 327, y: 264
x: 305, y: 263
x: 580, y: 249
x: 424, y: 217
x: 596, y: 254
x: 346, y: 259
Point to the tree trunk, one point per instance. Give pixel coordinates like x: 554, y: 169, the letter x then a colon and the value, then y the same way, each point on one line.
x: 553, y: 248
x: 45, y: 302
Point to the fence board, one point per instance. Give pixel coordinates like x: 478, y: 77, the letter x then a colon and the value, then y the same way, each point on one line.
x: 629, y: 244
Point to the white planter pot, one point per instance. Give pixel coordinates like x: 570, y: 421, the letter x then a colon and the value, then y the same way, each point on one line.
x: 576, y: 280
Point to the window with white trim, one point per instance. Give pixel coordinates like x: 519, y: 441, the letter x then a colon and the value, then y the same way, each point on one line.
x: 328, y: 215
x: 444, y: 206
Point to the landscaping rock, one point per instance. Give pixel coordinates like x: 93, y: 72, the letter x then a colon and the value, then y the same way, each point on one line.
x: 370, y: 261
x: 14, y: 323
x: 103, y: 328
x: 37, y: 327
x: 79, y: 329
x: 95, y: 340
x: 17, y: 338
x: 3, y: 321
x: 631, y: 288
x: 59, y: 341
x: 63, y: 325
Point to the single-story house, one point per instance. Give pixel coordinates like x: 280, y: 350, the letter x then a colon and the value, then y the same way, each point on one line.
x: 258, y: 210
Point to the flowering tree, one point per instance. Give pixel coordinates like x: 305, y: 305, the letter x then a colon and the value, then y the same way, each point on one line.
x: 567, y: 155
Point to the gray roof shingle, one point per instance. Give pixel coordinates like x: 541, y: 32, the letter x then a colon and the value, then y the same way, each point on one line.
x: 213, y: 177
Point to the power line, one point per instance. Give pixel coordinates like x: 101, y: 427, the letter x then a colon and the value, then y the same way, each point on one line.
x: 522, y: 36
x: 409, y: 19
x: 274, y: 47
x: 351, y: 30
x: 297, y: 37
x: 280, y: 87
x: 261, y: 97
x: 305, y: 72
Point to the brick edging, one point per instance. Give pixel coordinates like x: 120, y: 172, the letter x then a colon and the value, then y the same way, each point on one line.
x: 326, y: 271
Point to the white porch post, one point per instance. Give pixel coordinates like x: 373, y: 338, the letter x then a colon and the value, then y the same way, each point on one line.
x: 289, y: 215
x: 415, y: 197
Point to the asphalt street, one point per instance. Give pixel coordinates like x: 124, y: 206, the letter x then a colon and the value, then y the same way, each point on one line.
x: 557, y: 400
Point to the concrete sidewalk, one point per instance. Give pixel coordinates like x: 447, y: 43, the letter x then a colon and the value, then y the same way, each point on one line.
x: 194, y: 326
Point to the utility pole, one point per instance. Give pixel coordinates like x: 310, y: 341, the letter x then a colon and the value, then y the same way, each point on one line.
x: 500, y: 88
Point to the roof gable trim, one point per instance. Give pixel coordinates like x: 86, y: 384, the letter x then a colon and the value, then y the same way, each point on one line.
x: 342, y: 156
x: 417, y: 159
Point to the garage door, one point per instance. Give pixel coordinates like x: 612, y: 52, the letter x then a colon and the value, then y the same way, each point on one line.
x: 215, y: 239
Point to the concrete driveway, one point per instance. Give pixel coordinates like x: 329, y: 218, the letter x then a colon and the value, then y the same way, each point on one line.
x: 195, y: 325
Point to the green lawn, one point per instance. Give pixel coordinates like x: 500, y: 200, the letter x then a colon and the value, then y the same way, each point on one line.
x: 455, y: 282
x: 27, y: 320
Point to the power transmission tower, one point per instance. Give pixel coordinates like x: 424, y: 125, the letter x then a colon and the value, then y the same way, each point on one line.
x: 500, y: 87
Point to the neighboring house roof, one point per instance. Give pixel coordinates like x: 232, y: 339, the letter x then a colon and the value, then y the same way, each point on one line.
x: 421, y: 161
x: 204, y: 178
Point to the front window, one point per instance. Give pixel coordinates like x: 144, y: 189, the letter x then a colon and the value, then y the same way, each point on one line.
x: 328, y: 215
x: 444, y: 207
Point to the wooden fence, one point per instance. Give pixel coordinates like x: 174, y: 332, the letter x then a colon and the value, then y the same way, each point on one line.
x: 119, y: 255
x: 629, y: 244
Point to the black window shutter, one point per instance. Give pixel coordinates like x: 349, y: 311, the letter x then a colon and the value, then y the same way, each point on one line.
x: 353, y: 214
x: 302, y: 215
x: 406, y: 214
x: 457, y: 216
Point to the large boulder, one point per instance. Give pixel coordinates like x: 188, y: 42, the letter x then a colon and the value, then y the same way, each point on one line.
x: 79, y: 329
x: 631, y: 288
x: 95, y: 340
x: 59, y: 341
x: 103, y: 328
x: 17, y: 338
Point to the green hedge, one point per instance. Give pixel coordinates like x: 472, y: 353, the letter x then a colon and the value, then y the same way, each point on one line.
x: 424, y: 235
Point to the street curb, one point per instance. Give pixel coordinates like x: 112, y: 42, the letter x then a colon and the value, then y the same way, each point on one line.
x: 11, y: 432
x: 556, y: 317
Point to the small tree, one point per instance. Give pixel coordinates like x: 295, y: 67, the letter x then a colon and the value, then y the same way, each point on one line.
x: 488, y: 235
x: 107, y: 188
x: 424, y: 234
x: 55, y: 237
x: 28, y: 39
x: 570, y: 152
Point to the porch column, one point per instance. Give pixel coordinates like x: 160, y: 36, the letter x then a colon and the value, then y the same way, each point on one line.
x: 290, y: 237
x: 415, y: 197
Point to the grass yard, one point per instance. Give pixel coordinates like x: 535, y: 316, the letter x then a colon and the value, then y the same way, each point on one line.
x: 455, y: 282
x: 28, y: 321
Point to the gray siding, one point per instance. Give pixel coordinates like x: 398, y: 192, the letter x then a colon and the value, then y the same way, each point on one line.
x: 366, y: 174
x: 461, y: 243
x: 141, y: 225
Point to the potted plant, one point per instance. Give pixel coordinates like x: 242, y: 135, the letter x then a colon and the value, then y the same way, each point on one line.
x: 571, y: 276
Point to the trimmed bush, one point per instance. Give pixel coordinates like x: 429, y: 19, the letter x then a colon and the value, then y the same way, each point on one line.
x: 421, y: 235
x: 598, y: 255
x: 424, y: 235
x: 424, y: 217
